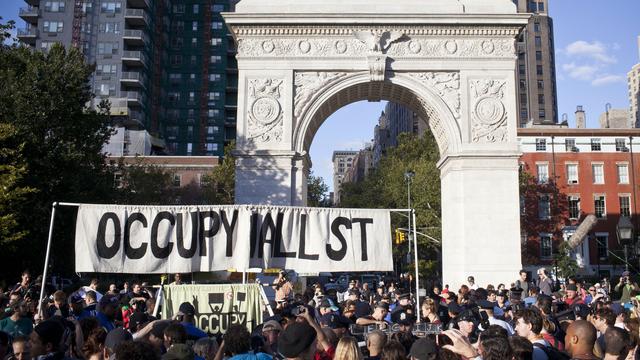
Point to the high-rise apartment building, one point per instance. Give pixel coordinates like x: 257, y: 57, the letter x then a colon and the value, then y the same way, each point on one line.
x: 536, y: 72
x: 166, y: 66
x: 342, y: 162
x: 634, y: 92
x: 394, y: 120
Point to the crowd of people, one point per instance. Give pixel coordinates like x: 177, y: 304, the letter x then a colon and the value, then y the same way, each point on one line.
x: 525, y: 320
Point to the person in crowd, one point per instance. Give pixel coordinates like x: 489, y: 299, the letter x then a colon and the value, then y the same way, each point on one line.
x: 393, y: 350
x: 106, y: 314
x: 617, y: 343
x: 572, y: 295
x: 375, y: 342
x: 283, y: 287
x: 177, y: 279
x: 45, y: 341
x: 545, y: 284
x: 138, y: 350
x: 156, y: 336
x: 603, y: 320
x: 362, y: 308
x: 531, y: 296
x: 327, y: 307
x: 487, y: 307
x: 471, y: 281
x: 529, y: 325
x: 125, y: 288
x: 186, y: 316
x: 93, y: 347
x: 580, y: 340
x: 377, y: 297
x: 366, y: 295
x: 521, y: 348
x: 523, y: 283
x: 502, y: 304
x: 348, y: 349
x: 206, y: 348
x: 298, y: 341
x: 270, y: 332
x: 59, y: 307
x: 175, y: 341
x: 113, y: 339
x: 625, y: 286
x: 138, y: 292
x: 349, y: 311
x: 23, y: 287
x: 20, y: 349
x: 429, y: 311
x: 113, y: 290
x: 377, y: 318
x: 466, y: 323
x: 19, y: 323
x: 91, y: 304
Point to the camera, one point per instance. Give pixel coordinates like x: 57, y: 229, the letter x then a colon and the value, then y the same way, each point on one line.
x: 298, y: 310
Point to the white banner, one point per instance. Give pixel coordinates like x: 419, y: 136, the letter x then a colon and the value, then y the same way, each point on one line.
x: 172, y: 239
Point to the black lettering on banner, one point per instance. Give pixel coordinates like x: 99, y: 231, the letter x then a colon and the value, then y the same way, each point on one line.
x: 254, y: 235
x: 131, y: 252
x: 267, y: 227
x: 104, y: 251
x: 182, y: 251
x: 229, y: 229
x: 209, y: 233
x: 363, y: 235
x: 303, y: 238
x: 161, y: 252
x: 277, y: 245
x: 338, y: 255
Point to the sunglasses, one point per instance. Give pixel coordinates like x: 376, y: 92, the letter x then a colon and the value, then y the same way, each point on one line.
x: 592, y: 290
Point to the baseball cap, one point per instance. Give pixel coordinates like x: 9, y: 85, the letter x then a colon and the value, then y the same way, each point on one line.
x: 295, y: 339
x: 455, y: 308
x: 327, y: 303
x: 403, y: 317
x: 107, y: 300
x: 486, y: 304
x: 626, y: 273
x: 422, y: 348
x: 271, y: 325
x: 186, y: 309
x: 572, y: 287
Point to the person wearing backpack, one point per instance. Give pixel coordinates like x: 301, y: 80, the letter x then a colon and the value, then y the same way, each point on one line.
x: 528, y: 324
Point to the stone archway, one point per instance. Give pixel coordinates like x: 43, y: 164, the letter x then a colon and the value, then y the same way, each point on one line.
x: 453, y: 61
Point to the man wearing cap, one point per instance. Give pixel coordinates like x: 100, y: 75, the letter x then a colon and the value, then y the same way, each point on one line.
x: 186, y: 316
x: 114, y: 338
x: 405, y: 319
x: 424, y: 349
x: 337, y: 323
x: 76, y: 303
x: 467, y: 324
x: 572, y: 297
x: 45, y: 341
x: 91, y: 304
x: 487, y: 307
x: 327, y: 307
x: 625, y: 286
x: 362, y: 308
x: 304, y: 340
x: 403, y: 301
x: 346, y: 293
x: 107, y: 312
x: 377, y: 318
x: 270, y: 332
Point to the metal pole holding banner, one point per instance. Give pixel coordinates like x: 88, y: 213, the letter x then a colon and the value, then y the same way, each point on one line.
x: 46, y: 258
x: 415, y: 251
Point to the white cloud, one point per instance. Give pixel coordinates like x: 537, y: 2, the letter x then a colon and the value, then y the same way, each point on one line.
x: 608, y: 79
x: 595, y: 50
x: 580, y: 72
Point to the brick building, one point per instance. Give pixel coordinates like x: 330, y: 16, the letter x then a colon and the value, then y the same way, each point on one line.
x: 577, y: 172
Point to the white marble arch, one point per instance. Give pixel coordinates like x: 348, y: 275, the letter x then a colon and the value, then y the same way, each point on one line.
x: 453, y: 61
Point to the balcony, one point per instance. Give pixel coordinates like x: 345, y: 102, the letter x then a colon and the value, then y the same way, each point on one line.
x: 134, y: 98
x: 30, y: 15
x: 133, y: 78
x: 136, y: 17
x: 135, y: 37
x: 33, y: 2
x: 28, y: 35
x: 134, y: 58
x: 143, y: 4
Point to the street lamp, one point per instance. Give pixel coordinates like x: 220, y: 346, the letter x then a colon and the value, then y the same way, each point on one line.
x: 408, y: 177
x: 625, y: 235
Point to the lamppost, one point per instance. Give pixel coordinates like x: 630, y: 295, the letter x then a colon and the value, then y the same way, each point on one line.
x: 625, y: 236
x: 408, y: 177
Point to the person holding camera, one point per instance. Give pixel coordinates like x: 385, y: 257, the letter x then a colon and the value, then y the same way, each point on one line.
x: 625, y: 286
x: 283, y: 288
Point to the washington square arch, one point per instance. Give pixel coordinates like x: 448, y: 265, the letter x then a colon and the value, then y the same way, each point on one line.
x: 452, y: 61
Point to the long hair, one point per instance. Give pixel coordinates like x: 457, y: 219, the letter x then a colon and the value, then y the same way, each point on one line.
x: 348, y: 349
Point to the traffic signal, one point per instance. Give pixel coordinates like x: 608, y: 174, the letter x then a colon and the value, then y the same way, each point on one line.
x: 400, y: 237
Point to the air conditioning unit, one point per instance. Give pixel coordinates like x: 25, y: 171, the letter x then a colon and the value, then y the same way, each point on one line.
x: 575, y: 149
x: 573, y: 181
x: 624, y: 149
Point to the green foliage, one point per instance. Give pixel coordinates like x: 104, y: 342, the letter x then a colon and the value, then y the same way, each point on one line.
x: 317, y: 192
x: 145, y: 184
x: 567, y: 265
x: 386, y: 187
x: 58, y: 139
x: 219, y: 188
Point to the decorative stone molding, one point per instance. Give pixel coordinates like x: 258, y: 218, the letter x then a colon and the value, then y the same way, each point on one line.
x: 377, y: 67
x: 307, y: 85
x: 349, y: 47
x: 378, y: 41
x: 435, y: 124
x: 446, y: 85
x: 265, y: 116
x: 410, y: 30
x: 489, y: 115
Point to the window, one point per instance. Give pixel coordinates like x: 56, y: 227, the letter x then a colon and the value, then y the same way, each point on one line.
x: 541, y: 6
x: 214, y: 77
x: 625, y: 205
x: 107, y: 48
x: 106, y: 69
x: 217, y: 8
x: 572, y: 173
x: 213, y: 113
x: 109, y: 27
x: 194, y: 41
x: 106, y: 89
x: 189, y: 148
x: 574, y: 207
x: 177, y: 26
x: 215, y: 59
x: 544, y: 207
x: 46, y: 45
x: 602, y: 241
x: 539, y: 70
x: 111, y: 7
x: 539, y: 55
x: 194, y: 60
x: 543, y: 173
x: 190, y: 132
x: 54, y: 6
x: 216, y: 41
x: 523, y: 98
x: 196, y: 8
x: 87, y: 7
x: 599, y: 206
x: 536, y: 27
x: 541, y: 144
x: 175, y: 60
x: 523, y: 209
x: 524, y: 114
x: 598, y: 173
x: 623, y: 173
x: 178, y: 9
x: 569, y: 144
x: 216, y: 25
x: 211, y: 147
x: 541, y: 84
x: 177, y: 42
x: 540, y: 99
x: 546, y: 249
x: 595, y: 145
x: 214, y: 96
x: 538, y: 41
x: 532, y: 6
x: 194, y: 26
x: 523, y: 85
x: 53, y: 26
x: 176, y: 180
x: 621, y: 144
x: 522, y: 69
x: 175, y: 78
x: 173, y: 96
x: 542, y: 113
x: 212, y: 130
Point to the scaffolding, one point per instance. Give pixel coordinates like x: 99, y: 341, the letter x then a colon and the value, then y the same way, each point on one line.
x: 78, y: 14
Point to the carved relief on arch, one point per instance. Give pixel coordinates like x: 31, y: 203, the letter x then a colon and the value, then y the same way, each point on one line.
x: 264, y: 111
x: 308, y: 84
x: 435, y: 124
x: 446, y: 85
x: 488, y: 112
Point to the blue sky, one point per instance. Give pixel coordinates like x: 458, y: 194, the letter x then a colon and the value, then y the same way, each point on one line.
x: 596, y: 45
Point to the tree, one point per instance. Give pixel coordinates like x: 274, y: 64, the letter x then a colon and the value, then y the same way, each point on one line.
x: 386, y: 187
x: 44, y: 98
x: 219, y: 185
x: 145, y: 184
x: 317, y: 192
